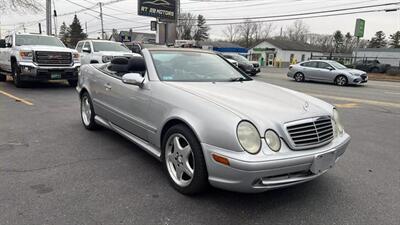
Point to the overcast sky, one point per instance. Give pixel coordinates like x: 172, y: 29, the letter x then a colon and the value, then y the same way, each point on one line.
x: 126, y: 10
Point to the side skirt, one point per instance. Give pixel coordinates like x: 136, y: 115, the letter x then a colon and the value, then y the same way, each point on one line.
x: 140, y: 142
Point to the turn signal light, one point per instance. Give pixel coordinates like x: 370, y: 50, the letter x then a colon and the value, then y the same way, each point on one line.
x: 220, y: 159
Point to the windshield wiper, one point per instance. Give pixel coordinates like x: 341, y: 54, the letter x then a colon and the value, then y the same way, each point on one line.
x: 235, y: 79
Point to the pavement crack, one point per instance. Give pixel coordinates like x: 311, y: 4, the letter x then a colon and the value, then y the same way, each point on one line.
x: 55, y: 166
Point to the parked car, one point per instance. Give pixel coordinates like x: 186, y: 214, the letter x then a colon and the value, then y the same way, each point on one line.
x: 233, y: 62
x: 326, y: 71
x: 33, y: 57
x: 256, y: 66
x: 101, y: 51
x: 244, y: 64
x: 373, y: 66
x: 210, y: 123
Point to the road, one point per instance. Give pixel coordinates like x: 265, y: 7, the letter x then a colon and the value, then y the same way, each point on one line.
x: 53, y: 171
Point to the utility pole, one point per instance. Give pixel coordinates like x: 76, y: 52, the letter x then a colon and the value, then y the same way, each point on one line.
x: 40, y: 28
x: 55, y: 18
x: 101, y: 19
x: 23, y: 27
x: 48, y: 17
x: 86, y: 27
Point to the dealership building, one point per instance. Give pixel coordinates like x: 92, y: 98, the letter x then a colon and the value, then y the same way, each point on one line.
x: 281, y: 53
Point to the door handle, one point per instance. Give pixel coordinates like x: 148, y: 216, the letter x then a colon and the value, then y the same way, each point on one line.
x: 107, y: 86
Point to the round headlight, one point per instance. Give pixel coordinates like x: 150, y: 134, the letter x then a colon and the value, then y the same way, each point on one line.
x: 273, y: 140
x: 336, y: 119
x: 249, y: 138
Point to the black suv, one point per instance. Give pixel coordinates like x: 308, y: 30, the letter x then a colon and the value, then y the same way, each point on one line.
x: 243, y: 63
x: 373, y: 66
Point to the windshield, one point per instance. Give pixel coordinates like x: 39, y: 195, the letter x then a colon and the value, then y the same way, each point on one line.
x: 109, y: 46
x: 194, y: 67
x: 37, y: 40
x: 338, y: 65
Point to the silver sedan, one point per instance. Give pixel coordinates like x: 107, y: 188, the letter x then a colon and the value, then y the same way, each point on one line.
x: 326, y: 71
x: 209, y: 123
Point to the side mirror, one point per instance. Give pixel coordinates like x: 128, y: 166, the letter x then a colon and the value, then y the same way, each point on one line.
x: 2, y: 43
x: 87, y: 50
x: 133, y: 78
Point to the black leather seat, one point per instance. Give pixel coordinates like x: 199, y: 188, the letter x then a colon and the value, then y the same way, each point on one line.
x: 136, y: 64
x: 119, y: 65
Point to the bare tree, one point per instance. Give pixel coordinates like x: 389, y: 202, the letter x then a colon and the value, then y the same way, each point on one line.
x: 231, y: 32
x: 20, y: 5
x: 266, y: 30
x: 187, y: 26
x: 297, y: 31
x: 248, y: 31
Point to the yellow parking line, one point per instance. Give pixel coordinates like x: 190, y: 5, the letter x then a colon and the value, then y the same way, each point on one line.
x: 16, y: 98
x: 347, y: 105
x: 356, y: 100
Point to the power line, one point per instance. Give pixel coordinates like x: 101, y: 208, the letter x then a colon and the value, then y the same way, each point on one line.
x: 298, y: 18
x: 303, y: 14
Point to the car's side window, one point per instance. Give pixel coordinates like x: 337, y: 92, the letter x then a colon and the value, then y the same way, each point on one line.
x: 87, y: 45
x: 324, y: 65
x: 310, y: 64
x: 79, y: 46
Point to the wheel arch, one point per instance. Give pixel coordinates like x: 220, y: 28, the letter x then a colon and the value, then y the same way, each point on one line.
x: 175, y: 121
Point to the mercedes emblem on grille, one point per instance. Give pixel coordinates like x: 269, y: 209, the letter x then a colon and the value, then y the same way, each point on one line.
x: 306, y: 106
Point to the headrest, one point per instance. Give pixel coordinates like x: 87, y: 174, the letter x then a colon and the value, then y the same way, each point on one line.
x: 136, y: 65
x: 120, y: 65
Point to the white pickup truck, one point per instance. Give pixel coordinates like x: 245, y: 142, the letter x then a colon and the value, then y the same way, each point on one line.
x: 34, y: 57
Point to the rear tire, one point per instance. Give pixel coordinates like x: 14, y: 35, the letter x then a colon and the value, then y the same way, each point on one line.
x: 299, y: 77
x: 375, y: 70
x: 341, y: 80
x: 184, y: 163
x: 3, y: 78
x: 87, y: 112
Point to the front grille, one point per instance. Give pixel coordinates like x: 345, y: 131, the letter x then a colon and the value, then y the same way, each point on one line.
x: 53, y: 58
x: 311, y: 132
x: 364, y: 76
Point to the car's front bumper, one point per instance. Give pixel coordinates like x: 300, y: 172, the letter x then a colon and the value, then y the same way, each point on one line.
x: 257, y: 176
x: 33, y: 72
x: 358, y: 80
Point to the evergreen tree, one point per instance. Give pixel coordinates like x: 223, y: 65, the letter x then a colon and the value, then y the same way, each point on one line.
x: 379, y: 41
x: 395, y: 40
x: 64, y: 33
x: 75, y: 32
x: 338, y: 40
x: 202, y: 29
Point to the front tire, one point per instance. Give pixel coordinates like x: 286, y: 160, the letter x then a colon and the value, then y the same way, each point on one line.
x: 73, y: 83
x: 299, y: 77
x: 87, y: 112
x: 341, y: 80
x: 183, y: 160
x: 16, y: 73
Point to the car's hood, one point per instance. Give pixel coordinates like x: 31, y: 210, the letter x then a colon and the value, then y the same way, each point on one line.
x: 45, y: 48
x: 116, y: 53
x: 354, y: 71
x: 259, y: 102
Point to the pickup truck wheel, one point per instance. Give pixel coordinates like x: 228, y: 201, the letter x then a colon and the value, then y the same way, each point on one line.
x: 72, y: 83
x: 183, y: 160
x: 375, y: 70
x: 87, y: 112
x: 16, y: 76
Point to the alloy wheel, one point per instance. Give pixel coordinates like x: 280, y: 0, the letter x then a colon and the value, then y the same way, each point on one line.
x: 179, y: 160
x: 299, y: 77
x: 86, y: 110
x: 341, y: 81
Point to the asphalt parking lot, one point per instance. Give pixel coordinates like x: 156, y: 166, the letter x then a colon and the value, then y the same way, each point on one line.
x: 53, y: 171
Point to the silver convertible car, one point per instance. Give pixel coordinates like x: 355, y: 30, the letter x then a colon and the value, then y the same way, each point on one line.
x: 326, y: 71
x: 208, y: 123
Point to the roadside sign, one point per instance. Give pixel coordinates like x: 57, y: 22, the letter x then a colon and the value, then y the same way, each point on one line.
x: 161, y: 9
x: 360, y: 27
